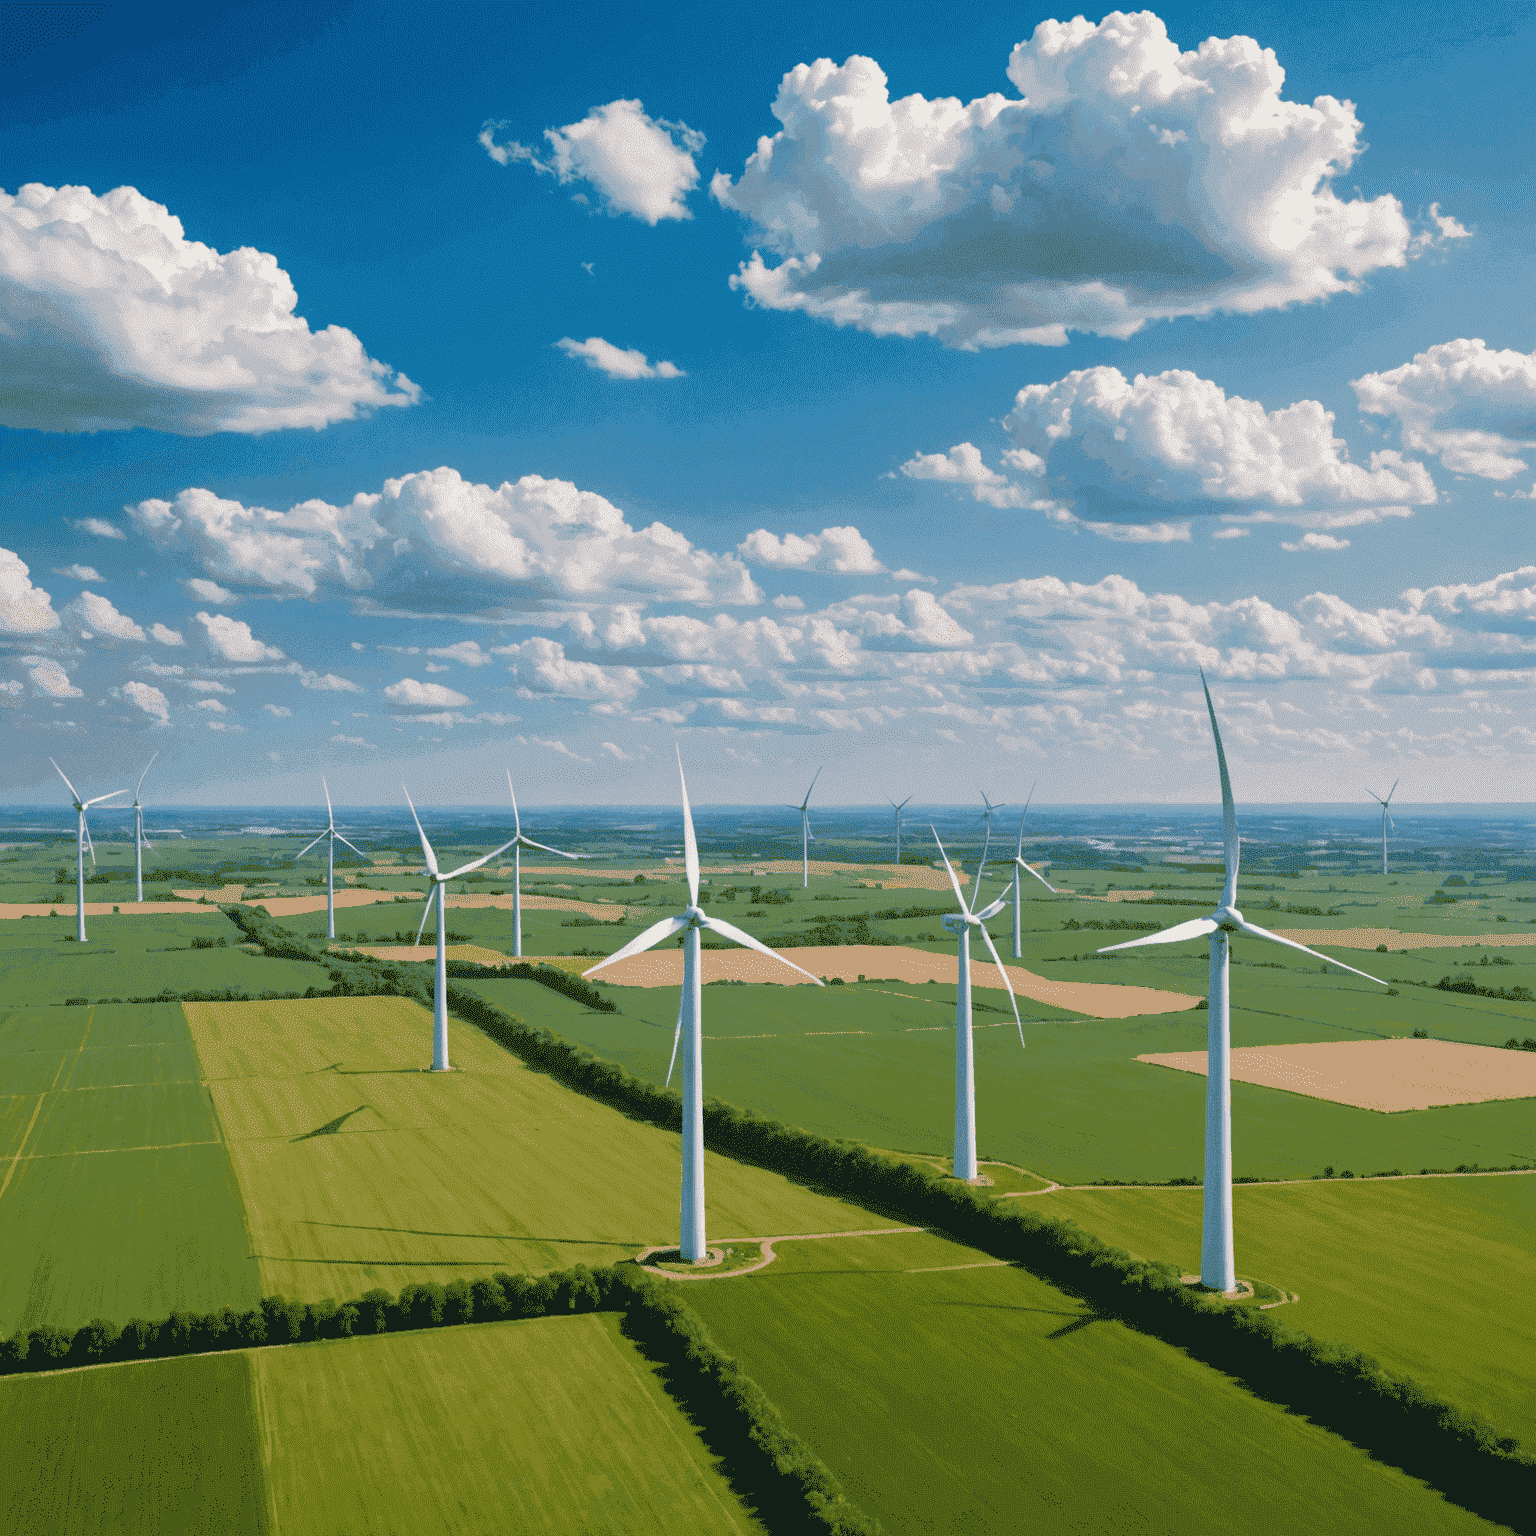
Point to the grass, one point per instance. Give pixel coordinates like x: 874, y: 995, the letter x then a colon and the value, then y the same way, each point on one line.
x: 150, y: 1449
x: 117, y: 1199
x: 359, y: 1169
x: 551, y: 1427
x: 983, y: 1400
x: 1422, y: 1273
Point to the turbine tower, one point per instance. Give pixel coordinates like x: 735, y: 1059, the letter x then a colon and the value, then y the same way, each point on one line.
x: 140, y: 842
x: 807, y: 837
x: 1217, y: 1271
x: 438, y: 894
x: 1386, y: 817
x: 330, y: 837
x: 1020, y: 868
x: 897, y: 809
x: 691, y: 922
x: 960, y: 923
x: 519, y: 842
x: 82, y: 842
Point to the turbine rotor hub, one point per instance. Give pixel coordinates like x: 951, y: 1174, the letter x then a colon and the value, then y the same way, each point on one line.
x: 1228, y: 918
x: 695, y: 917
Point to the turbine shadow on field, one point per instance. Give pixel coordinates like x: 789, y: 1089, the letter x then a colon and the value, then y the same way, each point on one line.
x: 331, y: 1127
x: 490, y: 1237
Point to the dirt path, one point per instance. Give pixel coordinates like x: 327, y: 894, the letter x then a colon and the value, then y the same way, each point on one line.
x: 1370, y: 938
x: 767, y: 1245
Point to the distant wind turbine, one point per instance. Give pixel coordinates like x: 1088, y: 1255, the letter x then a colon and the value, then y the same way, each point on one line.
x: 1386, y: 817
x: 330, y: 837
x: 1020, y: 868
x: 519, y: 842
x: 961, y: 923
x: 691, y: 922
x: 82, y: 842
x: 807, y: 837
x: 898, y: 809
x: 140, y: 842
x: 438, y: 894
x: 1217, y: 1269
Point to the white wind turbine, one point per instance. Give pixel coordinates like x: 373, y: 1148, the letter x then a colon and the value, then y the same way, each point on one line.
x: 1386, y: 816
x: 438, y: 894
x: 897, y: 809
x: 691, y: 922
x: 1020, y: 868
x: 330, y: 837
x: 140, y: 842
x: 807, y: 837
x: 82, y: 842
x: 1217, y: 1270
x: 961, y: 923
x: 519, y: 842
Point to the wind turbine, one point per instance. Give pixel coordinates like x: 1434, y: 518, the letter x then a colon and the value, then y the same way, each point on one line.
x: 1020, y: 868
x: 82, y: 842
x: 1217, y: 1270
x: 519, y: 842
x: 960, y: 923
x: 140, y: 842
x: 807, y: 837
x: 330, y: 837
x: 898, y: 809
x: 437, y: 893
x: 691, y: 922
x: 1386, y: 816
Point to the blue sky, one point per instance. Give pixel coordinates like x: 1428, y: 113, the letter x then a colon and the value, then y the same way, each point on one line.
x: 1019, y: 415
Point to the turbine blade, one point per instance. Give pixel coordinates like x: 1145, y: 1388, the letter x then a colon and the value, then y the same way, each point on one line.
x: 140, y: 785
x: 426, y: 847
x: 517, y: 821
x: 1195, y: 928
x: 330, y: 814
x: 353, y: 846
x: 720, y: 926
x: 305, y: 849
x: 73, y: 791
x: 807, y: 799
x: 1230, y: 845
x: 1255, y: 932
x: 1001, y: 971
x: 99, y: 798
x: 464, y: 869
x: 90, y: 846
x: 431, y: 897
x: 677, y: 1035
x: 690, y: 845
x: 905, y: 802
x: 996, y: 906
x: 1019, y: 851
x: 1393, y: 790
x: 1038, y: 876
x: 560, y: 853
x: 947, y: 865
x: 651, y: 937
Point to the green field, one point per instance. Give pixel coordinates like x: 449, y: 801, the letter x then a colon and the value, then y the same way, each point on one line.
x: 551, y: 1427
x: 116, y: 1195
x: 161, y: 1448
x: 973, y: 1400
x: 1421, y: 1273
x: 357, y: 1168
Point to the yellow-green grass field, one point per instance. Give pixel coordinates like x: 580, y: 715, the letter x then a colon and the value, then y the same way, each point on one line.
x: 357, y: 1168
x: 116, y: 1195
x: 956, y: 1400
x: 550, y: 1427
x: 159, y: 1448
x: 1428, y: 1275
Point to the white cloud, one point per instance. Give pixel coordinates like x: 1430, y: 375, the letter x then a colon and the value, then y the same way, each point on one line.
x: 618, y: 752
x: 1127, y: 182
x: 1474, y: 407
x: 50, y: 678
x: 280, y: 710
x: 234, y: 640
x: 409, y: 692
x: 329, y: 682
x: 434, y: 540
x: 224, y: 725
x: 963, y: 465
x: 616, y: 362
x: 94, y: 613
x: 148, y: 698
x: 553, y: 746
x: 465, y: 652
x: 639, y: 165
x: 541, y: 666
x: 100, y: 527
x: 24, y: 609
x: 789, y: 602
x: 79, y: 573
x: 212, y: 705
x: 1230, y: 533
x: 205, y: 685
x: 841, y: 551
x: 1141, y: 533
x: 111, y: 318
x: 354, y: 741
x: 206, y: 591
x: 1315, y: 541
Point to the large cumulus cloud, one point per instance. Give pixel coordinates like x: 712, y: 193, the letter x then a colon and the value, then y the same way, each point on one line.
x: 1127, y: 182
x: 111, y: 318
x: 24, y: 608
